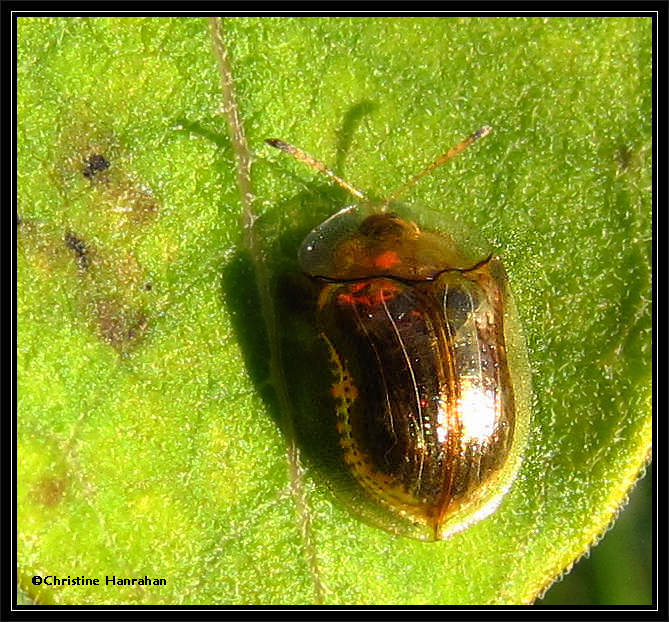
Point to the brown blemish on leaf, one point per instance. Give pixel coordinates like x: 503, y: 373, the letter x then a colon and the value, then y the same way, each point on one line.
x: 43, y: 246
x: 79, y: 247
x: 86, y: 146
x: 107, y: 289
x: 114, y: 301
x: 50, y: 490
x: 119, y: 324
x: 103, y: 205
x: 122, y: 200
x: 113, y: 191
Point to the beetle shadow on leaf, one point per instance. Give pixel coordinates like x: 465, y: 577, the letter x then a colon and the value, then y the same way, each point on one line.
x: 204, y: 130
x: 349, y: 127
x: 289, y: 298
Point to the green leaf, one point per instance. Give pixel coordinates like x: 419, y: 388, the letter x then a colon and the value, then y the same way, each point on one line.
x: 150, y: 440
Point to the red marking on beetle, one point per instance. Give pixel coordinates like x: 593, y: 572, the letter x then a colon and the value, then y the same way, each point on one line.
x: 387, y: 260
x: 358, y: 287
x: 373, y: 299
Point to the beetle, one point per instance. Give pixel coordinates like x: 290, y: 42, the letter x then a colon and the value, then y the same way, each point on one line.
x: 429, y: 379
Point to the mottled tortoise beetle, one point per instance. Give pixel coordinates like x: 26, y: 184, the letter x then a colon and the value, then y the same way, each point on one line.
x: 429, y: 379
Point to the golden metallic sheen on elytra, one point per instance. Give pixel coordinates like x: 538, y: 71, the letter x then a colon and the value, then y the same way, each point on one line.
x: 424, y: 397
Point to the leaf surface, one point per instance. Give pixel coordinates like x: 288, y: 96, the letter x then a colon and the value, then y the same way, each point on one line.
x: 149, y: 438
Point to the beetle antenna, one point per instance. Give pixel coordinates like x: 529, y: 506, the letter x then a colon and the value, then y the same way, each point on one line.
x: 304, y: 157
x: 442, y: 159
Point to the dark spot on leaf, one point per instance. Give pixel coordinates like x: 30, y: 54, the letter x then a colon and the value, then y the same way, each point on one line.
x: 19, y: 220
x: 148, y: 287
x: 50, y: 491
x: 623, y: 157
x: 79, y: 247
x: 94, y: 164
x: 119, y: 324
